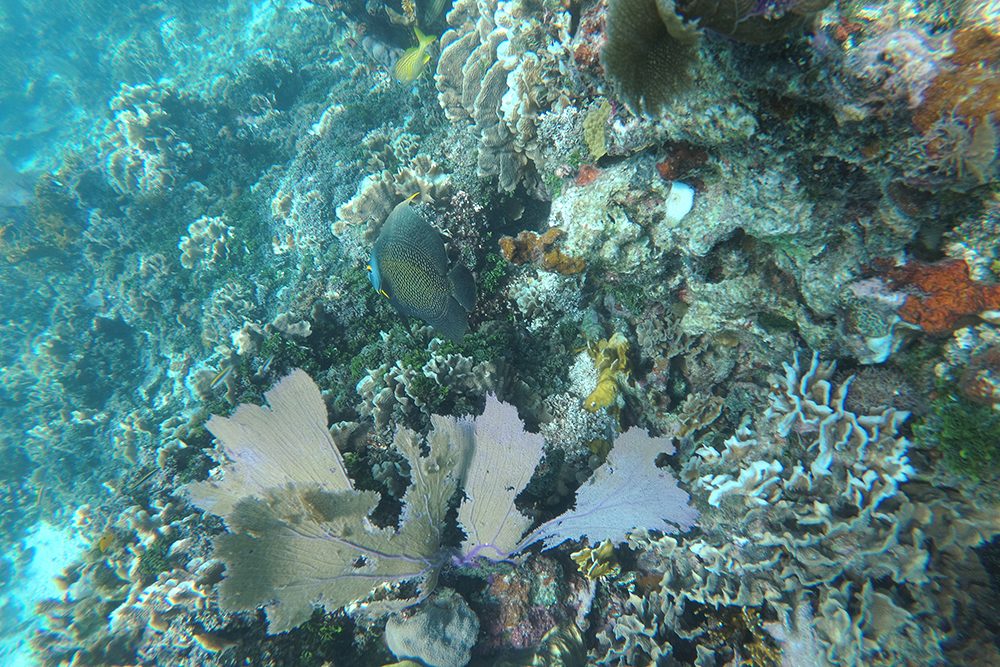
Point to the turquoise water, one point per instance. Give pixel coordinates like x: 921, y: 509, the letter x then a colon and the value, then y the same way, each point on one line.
x: 725, y: 392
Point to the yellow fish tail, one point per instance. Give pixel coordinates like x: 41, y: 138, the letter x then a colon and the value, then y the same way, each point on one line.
x: 423, y: 41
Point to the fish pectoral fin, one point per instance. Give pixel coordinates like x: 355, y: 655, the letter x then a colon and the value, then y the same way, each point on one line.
x: 463, y: 287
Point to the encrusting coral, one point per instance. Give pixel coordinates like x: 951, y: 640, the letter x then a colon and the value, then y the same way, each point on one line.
x: 542, y: 251
x: 939, y: 296
x: 968, y: 89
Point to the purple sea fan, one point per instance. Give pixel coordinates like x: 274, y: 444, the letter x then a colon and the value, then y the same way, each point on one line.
x: 627, y: 492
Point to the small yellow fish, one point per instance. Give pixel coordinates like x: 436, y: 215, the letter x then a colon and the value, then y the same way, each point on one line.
x: 411, y: 64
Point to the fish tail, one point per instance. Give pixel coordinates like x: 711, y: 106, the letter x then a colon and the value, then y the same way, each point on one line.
x: 453, y: 322
x: 423, y: 41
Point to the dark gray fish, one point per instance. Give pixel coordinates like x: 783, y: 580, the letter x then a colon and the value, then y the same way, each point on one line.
x: 409, y: 267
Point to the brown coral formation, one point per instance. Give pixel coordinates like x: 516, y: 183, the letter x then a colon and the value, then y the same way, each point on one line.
x: 970, y: 90
x: 541, y: 251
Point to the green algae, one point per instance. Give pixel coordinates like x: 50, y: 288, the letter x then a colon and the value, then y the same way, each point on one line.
x: 965, y: 434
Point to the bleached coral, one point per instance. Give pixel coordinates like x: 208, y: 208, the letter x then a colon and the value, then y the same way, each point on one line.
x: 570, y: 428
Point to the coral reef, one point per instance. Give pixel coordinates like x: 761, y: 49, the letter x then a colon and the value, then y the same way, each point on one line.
x: 771, y: 475
x: 529, y: 247
x: 660, y: 202
x: 940, y: 295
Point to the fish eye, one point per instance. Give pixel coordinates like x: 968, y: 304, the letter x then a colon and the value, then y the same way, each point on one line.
x: 368, y: 268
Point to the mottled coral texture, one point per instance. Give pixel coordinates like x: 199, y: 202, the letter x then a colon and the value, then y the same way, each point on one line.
x: 540, y: 250
x: 942, y: 294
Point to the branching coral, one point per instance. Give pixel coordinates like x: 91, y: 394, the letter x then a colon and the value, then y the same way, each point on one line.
x: 409, y: 389
x: 206, y: 243
x: 140, y: 594
x: 360, y: 218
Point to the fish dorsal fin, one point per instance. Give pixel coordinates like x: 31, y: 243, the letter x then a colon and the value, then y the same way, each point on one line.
x: 406, y: 227
x: 463, y: 287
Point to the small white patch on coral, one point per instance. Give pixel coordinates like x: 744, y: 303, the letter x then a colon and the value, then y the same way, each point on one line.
x: 680, y: 201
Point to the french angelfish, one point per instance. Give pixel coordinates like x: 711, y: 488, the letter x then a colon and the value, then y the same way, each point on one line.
x: 409, y: 267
